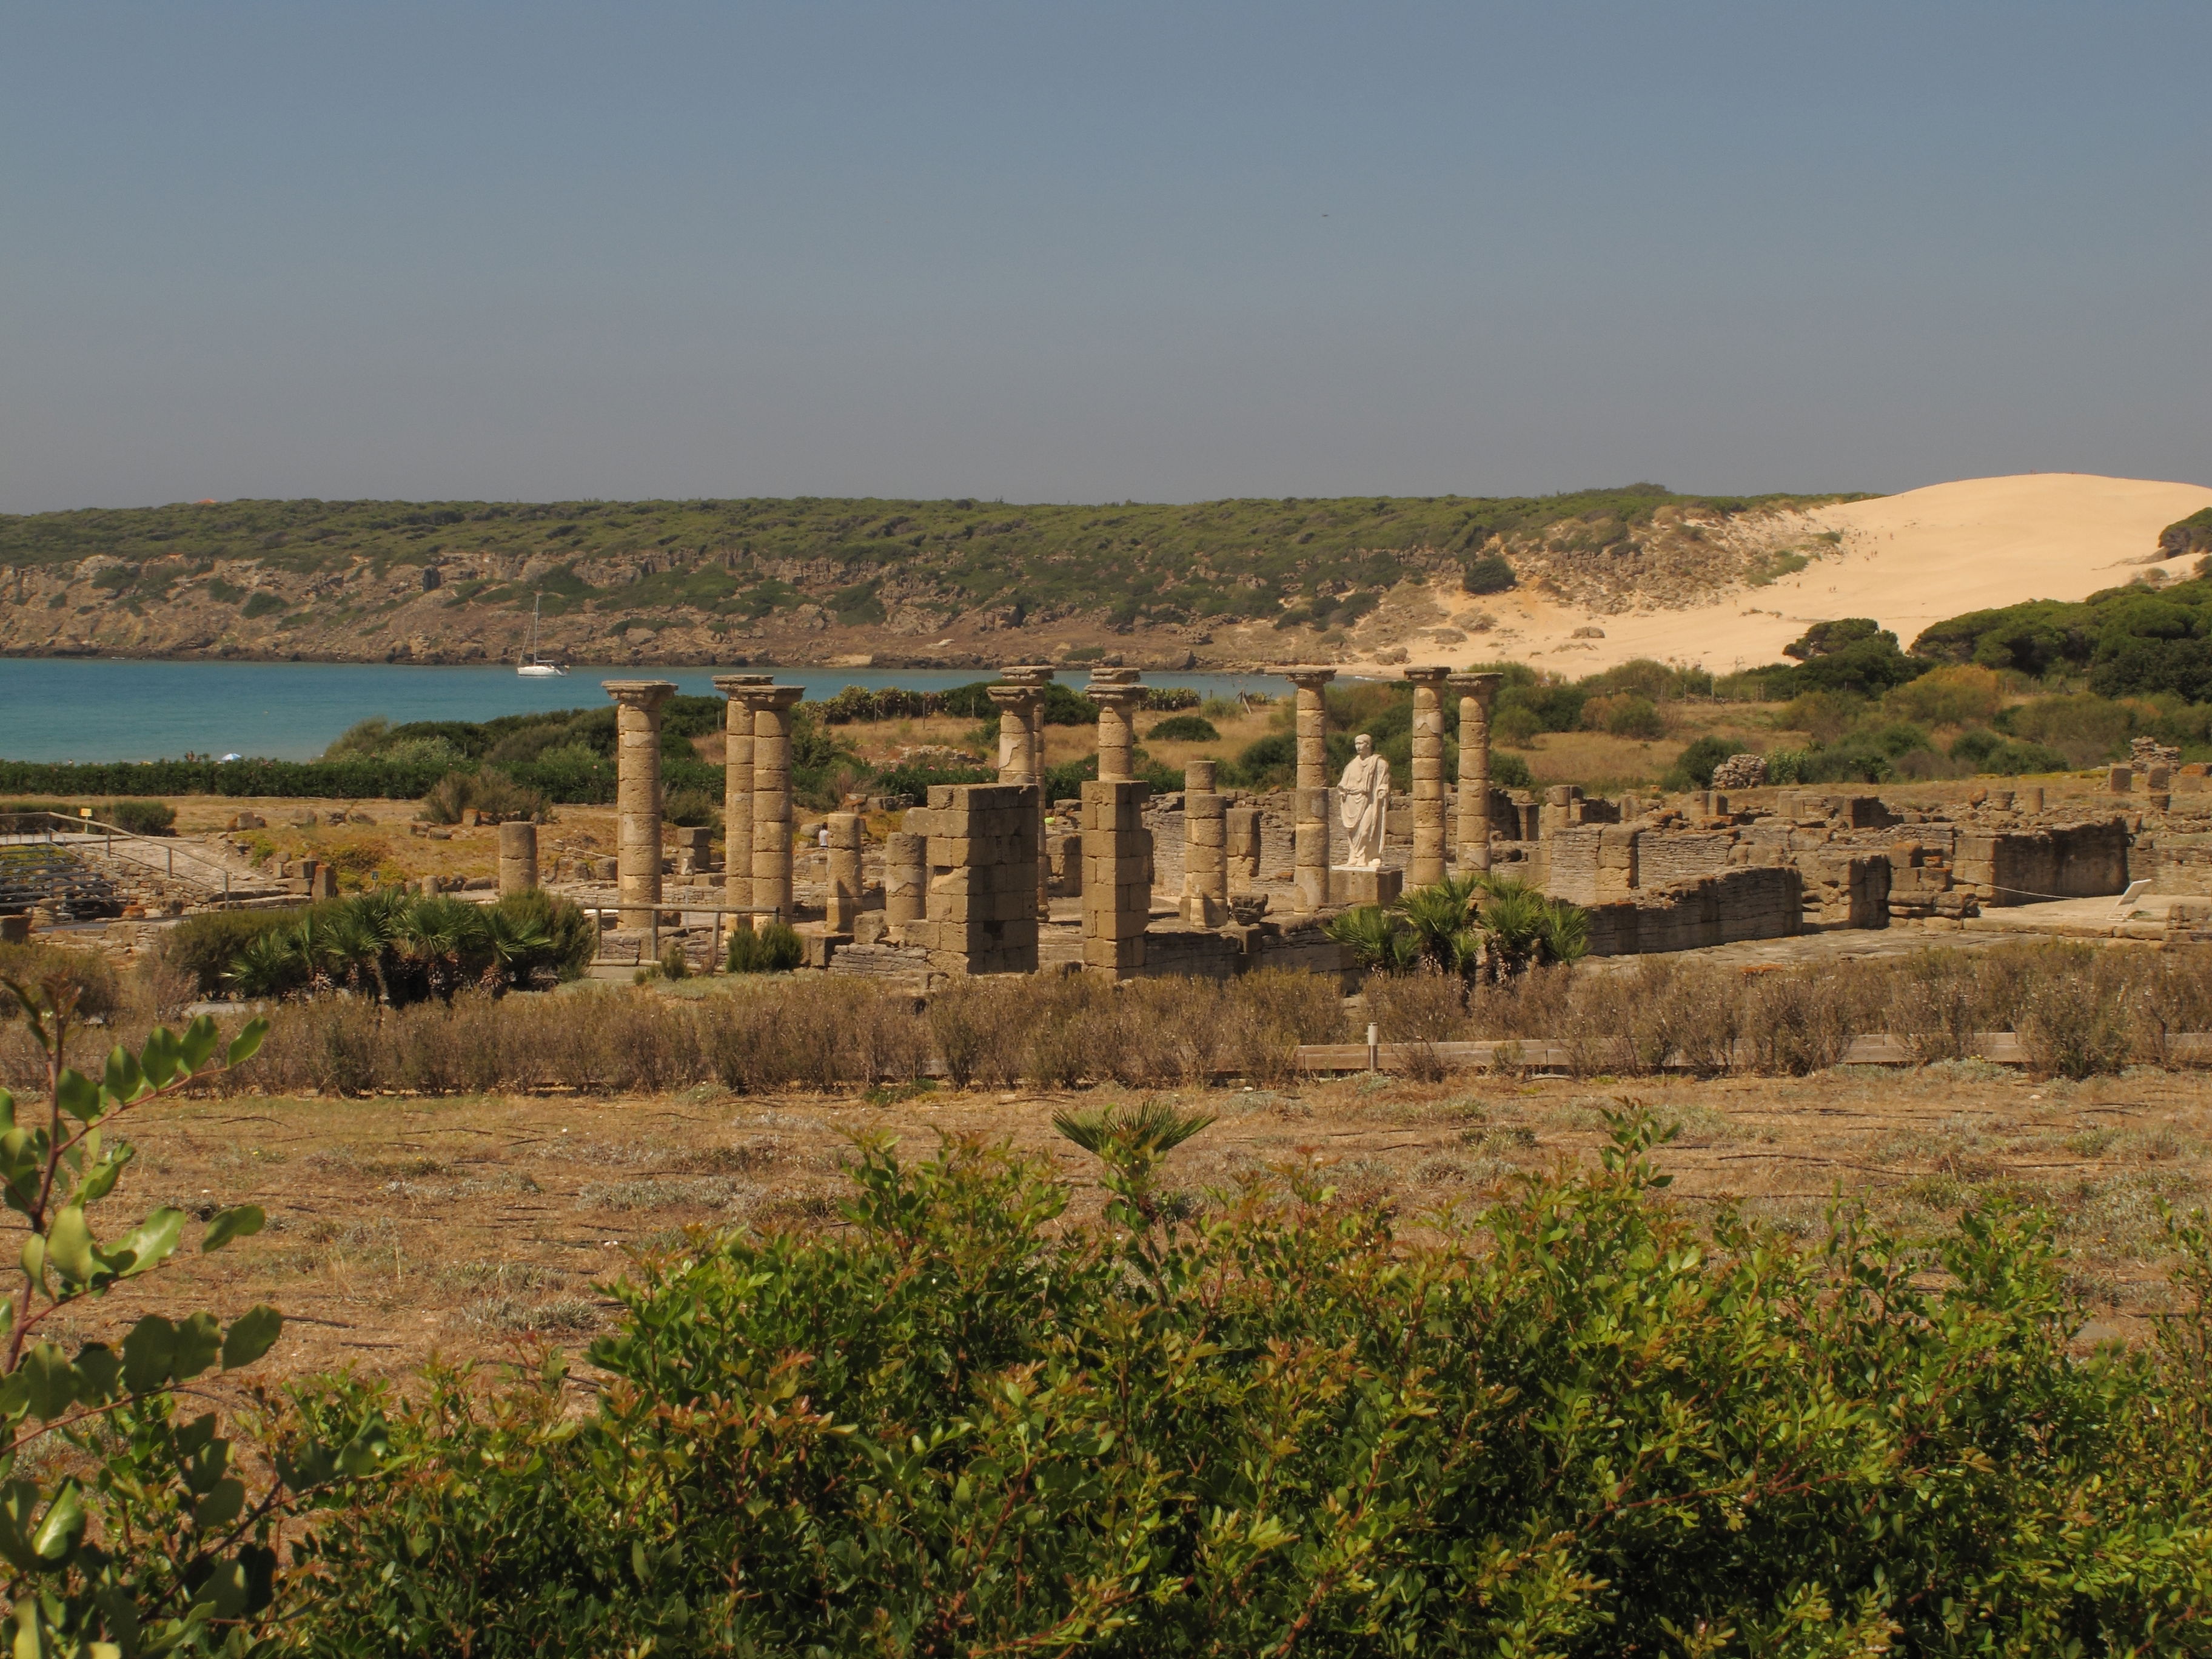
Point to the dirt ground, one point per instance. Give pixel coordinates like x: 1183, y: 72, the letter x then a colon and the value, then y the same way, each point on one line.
x: 400, y: 1227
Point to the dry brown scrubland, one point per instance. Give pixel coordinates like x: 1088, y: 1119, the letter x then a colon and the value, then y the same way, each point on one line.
x: 461, y: 1180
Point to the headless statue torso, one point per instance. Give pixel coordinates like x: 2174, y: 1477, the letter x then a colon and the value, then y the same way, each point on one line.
x: 1364, y: 800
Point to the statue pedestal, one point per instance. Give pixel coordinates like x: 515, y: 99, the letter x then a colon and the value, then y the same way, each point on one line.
x: 1362, y: 886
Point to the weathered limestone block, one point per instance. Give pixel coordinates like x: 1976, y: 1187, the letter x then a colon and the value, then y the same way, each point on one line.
x: 1117, y: 898
x: 737, y: 785
x: 1383, y: 885
x: 1311, y: 831
x: 843, y: 908
x: 2074, y: 861
x: 1241, y: 843
x: 771, y: 860
x: 637, y: 793
x: 517, y: 857
x: 695, y: 852
x: 980, y: 890
x: 1752, y: 902
x: 1843, y: 890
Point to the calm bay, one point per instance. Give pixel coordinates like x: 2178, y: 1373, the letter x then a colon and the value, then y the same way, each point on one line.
x: 103, y: 709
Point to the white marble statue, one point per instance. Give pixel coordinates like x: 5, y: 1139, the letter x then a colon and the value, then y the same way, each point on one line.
x: 1364, y: 796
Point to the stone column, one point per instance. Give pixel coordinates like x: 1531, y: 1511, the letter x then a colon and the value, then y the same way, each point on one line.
x: 737, y: 789
x: 1118, y: 695
x: 1206, y: 848
x: 1309, y: 818
x: 517, y: 857
x: 843, y: 908
x: 1017, y: 741
x: 772, y: 798
x: 637, y: 796
x: 1117, y: 888
x: 1427, y: 866
x: 1476, y: 694
x: 1039, y: 674
x: 906, y: 878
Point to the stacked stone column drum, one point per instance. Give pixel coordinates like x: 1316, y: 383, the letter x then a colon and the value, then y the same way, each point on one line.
x: 1117, y: 885
x: 980, y: 906
x: 772, y: 798
x: 1017, y: 739
x: 843, y: 906
x: 1310, y: 832
x: 1477, y: 692
x: 905, y: 877
x: 1427, y: 865
x: 737, y: 788
x: 637, y: 795
x: 1117, y: 694
x: 1206, y: 851
x: 518, y: 859
x: 1038, y: 675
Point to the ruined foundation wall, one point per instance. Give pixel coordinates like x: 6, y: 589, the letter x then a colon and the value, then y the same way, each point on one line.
x: 1751, y: 901
x: 981, y: 847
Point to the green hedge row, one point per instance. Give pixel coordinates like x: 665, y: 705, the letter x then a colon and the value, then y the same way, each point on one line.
x: 566, y: 780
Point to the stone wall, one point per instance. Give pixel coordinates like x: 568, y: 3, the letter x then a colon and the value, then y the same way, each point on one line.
x: 980, y: 905
x: 2076, y: 860
x: 1751, y: 901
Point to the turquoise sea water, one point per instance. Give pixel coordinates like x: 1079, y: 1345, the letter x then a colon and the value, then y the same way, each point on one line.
x: 70, y: 708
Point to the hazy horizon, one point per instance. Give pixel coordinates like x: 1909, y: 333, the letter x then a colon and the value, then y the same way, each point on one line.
x: 1092, y: 254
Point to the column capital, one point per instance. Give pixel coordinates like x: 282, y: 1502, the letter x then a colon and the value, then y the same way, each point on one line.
x: 1028, y: 673
x: 1481, y: 687
x: 1307, y: 677
x: 1114, y: 696
x: 1013, y: 697
x: 770, y: 696
x: 1427, y: 674
x: 647, y: 695
x: 735, y: 685
x: 1113, y: 677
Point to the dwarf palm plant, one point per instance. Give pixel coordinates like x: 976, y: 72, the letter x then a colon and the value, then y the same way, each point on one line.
x: 1130, y: 1141
x: 1376, y: 940
x: 1439, y: 913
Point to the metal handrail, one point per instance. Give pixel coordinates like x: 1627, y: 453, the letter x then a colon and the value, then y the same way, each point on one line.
x: 109, y: 832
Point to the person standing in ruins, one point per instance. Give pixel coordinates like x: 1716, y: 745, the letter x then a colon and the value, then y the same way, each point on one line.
x: 1364, y: 793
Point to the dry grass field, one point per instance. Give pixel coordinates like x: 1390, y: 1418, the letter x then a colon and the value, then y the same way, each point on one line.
x: 476, y: 1227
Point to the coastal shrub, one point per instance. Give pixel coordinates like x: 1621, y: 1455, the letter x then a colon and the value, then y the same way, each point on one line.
x: 488, y: 792
x: 1694, y: 767
x: 771, y: 947
x: 1488, y: 573
x: 139, y: 816
x: 693, y: 809
x: 1185, y: 728
x: 1296, y: 1428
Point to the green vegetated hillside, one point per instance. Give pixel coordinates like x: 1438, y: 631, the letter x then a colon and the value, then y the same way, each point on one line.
x: 345, y: 578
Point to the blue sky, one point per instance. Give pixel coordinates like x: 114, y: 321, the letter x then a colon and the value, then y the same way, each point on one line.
x: 1071, y: 252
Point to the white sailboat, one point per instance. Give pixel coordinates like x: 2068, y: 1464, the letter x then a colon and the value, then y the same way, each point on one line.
x: 530, y: 667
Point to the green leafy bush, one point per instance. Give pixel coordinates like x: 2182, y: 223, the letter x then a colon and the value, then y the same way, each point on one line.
x: 1185, y: 728
x: 1571, y: 1424
x: 488, y: 792
x: 128, y: 1526
x: 1490, y: 573
x: 692, y: 809
x: 140, y: 817
x: 772, y: 947
x: 1694, y: 767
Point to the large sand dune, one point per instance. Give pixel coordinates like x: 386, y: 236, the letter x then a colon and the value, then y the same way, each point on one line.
x: 1906, y: 560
